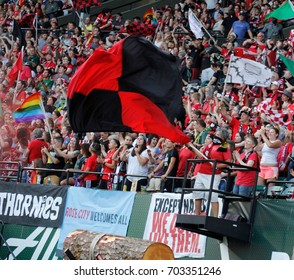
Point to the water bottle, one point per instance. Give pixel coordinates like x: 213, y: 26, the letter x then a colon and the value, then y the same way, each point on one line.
x: 38, y: 179
x: 88, y: 184
x: 49, y: 180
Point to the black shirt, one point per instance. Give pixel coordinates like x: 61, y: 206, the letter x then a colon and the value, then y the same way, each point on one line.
x: 167, y: 158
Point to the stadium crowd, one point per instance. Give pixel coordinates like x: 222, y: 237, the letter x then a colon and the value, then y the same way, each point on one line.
x: 222, y: 119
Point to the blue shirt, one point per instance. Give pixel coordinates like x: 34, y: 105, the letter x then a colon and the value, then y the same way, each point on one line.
x: 240, y: 28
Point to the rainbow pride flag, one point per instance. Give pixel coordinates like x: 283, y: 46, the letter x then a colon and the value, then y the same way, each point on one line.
x: 30, y: 109
x: 149, y: 12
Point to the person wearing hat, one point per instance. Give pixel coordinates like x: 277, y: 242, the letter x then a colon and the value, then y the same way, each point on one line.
x: 274, y: 90
x: 217, y: 10
x: 288, y: 79
x: 110, y: 39
x: 243, y: 124
x: 241, y: 26
x: 218, y: 25
x: 218, y: 77
x: 95, y: 43
x: 65, y: 39
x: 286, y: 99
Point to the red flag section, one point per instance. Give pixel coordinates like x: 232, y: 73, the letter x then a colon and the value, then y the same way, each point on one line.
x: 132, y: 87
x: 245, y: 53
x: 279, y: 117
x: 12, y: 76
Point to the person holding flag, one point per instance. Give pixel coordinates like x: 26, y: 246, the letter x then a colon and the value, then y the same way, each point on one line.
x: 217, y: 150
x: 19, y: 94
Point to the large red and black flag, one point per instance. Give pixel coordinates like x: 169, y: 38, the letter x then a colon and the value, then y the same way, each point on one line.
x: 142, y: 29
x: 132, y: 87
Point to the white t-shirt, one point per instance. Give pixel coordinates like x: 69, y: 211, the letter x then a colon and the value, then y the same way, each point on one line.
x: 135, y: 168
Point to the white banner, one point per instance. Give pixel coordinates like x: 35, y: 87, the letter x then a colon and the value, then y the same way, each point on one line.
x: 160, y: 225
x: 195, y: 25
x: 96, y: 210
x: 248, y: 72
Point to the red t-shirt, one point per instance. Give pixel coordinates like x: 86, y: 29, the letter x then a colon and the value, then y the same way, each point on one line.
x: 247, y: 178
x: 213, y: 153
x: 49, y: 65
x: 35, y: 147
x: 184, y: 155
x: 235, y: 124
x: 103, y: 20
x: 25, y: 73
x: 197, y: 106
x: 206, y: 108
x: 91, y: 163
x: 109, y: 160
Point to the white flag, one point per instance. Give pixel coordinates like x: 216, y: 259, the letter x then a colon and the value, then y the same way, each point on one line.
x: 195, y: 25
x: 248, y: 72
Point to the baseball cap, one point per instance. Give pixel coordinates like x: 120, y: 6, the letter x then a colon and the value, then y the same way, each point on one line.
x: 288, y: 93
x: 276, y: 83
x: 142, y: 136
x: 242, y: 14
x: 112, y: 33
x: 246, y: 110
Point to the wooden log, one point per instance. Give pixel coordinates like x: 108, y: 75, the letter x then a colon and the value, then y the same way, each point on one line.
x: 89, y: 245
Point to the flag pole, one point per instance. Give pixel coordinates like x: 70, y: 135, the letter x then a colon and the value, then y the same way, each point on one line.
x: 36, y: 26
x: 225, y: 84
x: 46, y: 120
x: 81, y: 20
x: 203, y: 27
x: 19, y: 71
x: 291, y: 4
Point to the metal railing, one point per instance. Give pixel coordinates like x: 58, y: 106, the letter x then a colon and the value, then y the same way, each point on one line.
x: 224, y: 194
x: 112, y: 176
x: 8, y: 173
